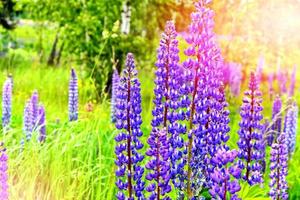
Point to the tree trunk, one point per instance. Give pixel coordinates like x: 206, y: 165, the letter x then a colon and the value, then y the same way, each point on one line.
x: 52, y: 55
x: 59, y: 53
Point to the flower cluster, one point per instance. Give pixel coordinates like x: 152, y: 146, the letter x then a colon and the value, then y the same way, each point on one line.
x: 158, y: 166
x: 251, y: 140
x: 293, y: 82
x: 206, y: 133
x: 41, y: 124
x: 167, y: 101
x: 128, y: 115
x: 225, y: 175
x: 73, y: 96
x: 34, y: 117
x: 278, y: 167
x: 3, y: 174
x: 290, y: 126
x: 232, y: 73
x: 6, y: 104
x: 114, y: 91
x: 276, y: 121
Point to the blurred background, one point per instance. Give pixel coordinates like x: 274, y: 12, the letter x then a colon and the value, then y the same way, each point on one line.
x: 96, y: 35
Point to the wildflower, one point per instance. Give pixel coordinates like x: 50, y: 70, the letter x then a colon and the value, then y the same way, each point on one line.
x: 41, y: 124
x: 73, y: 97
x: 290, y: 126
x: 3, y: 174
x: 128, y: 114
x: 35, y: 108
x: 6, y: 104
x: 276, y: 121
x: 167, y: 101
x: 251, y: 139
x: 293, y: 82
x: 225, y: 175
x: 279, y: 170
x: 159, y: 165
x: 203, y: 83
x: 28, y: 120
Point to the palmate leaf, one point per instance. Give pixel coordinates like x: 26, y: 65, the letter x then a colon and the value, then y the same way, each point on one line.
x: 253, y: 192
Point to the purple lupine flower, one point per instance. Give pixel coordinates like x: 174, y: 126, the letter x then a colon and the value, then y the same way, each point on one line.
x: 3, y: 174
x: 276, y: 121
x: 203, y: 82
x: 293, y: 82
x: 282, y: 81
x: 270, y: 83
x: 260, y: 67
x: 28, y: 120
x: 6, y: 104
x: 35, y: 108
x: 225, y: 175
x: 41, y: 124
x: 279, y: 169
x: 167, y: 101
x: 250, y: 134
x: 159, y: 166
x: 73, y: 96
x: 235, y: 79
x: 128, y: 114
x: 114, y: 90
x: 290, y: 126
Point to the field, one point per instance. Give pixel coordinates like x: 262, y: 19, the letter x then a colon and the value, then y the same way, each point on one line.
x: 77, y: 159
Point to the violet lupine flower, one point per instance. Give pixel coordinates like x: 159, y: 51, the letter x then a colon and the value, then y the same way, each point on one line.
x: 41, y: 124
x: 225, y: 175
x: 260, y: 67
x: 6, y: 104
x: 73, y: 96
x: 158, y: 166
x: 235, y: 79
x: 28, y: 121
x: 279, y: 170
x: 251, y: 139
x: 3, y: 174
x: 35, y: 109
x: 270, y: 83
x: 282, y: 81
x: 290, y: 127
x: 128, y: 114
x: 293, y: 82
x: 203, y: 85
x: 114, y: 90
x: 167, y: 101
x: 276, y: 121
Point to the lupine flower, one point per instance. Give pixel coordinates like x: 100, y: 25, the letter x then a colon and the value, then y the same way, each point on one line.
x: 276, y: 121
x: 290, y: 127
x: 3, y: 175
x: 73, y: 97
x: 236, y: 79
x: 251, y: 141
x: 260, y: 67
x: 35, y: 108
x: 128, y: 114
x: 114, y: 90
x: 158, y: 166
x: 41, y: 124
x: 279, y: 170
x: 282, y: 81
x: 293, y: 82
x: 225, y: 175
x: 28, y: 120
x: 6, y: 104
x: 270, y: 83
x: 167, y: 101
x: 203, y: 83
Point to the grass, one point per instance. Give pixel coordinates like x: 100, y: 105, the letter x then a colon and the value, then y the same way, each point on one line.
x: 77, y: 160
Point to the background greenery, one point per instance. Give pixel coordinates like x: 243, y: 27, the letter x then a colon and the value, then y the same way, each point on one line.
x: 76, y: 162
